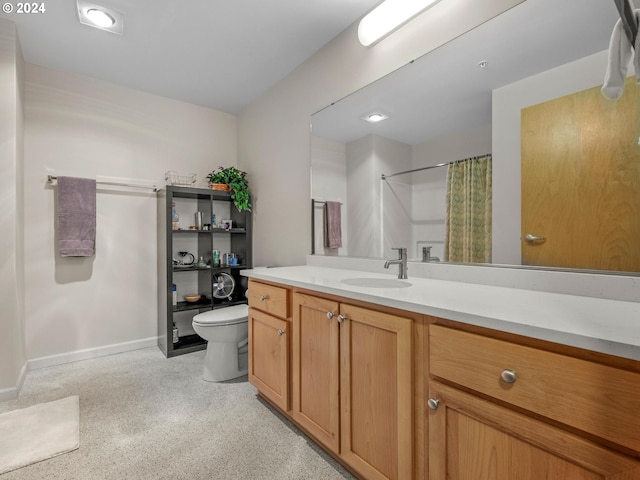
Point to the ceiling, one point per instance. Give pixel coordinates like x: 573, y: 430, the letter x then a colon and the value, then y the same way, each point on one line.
x: 215, y: 53
x: 446, y: 92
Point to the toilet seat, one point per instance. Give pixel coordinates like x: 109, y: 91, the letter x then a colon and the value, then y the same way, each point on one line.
x: 222, y: 316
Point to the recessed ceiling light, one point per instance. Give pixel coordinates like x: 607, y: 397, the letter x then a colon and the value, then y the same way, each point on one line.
x: 100, y: 17
x: 375, y: 117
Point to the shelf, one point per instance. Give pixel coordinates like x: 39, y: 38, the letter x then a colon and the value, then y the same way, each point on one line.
x: 227, y: 303
x: 186, y: 306
x: 201, y: 243
x: 212, y: 230
x: 214, y: 269
x: 191, y: 230
x: 189, y: 342
x: 190, y: 268
x: 228, y: 267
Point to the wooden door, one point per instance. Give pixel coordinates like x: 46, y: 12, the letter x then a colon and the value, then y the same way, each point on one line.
x: 581, y: 181
x: 376, y: 393
x: 315, y: 372
x: 269, y: 357
x: 471, y: 438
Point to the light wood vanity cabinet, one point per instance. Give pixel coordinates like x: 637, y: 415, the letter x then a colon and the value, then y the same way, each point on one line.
x: 399, y: 395
x: 513, y: 411
x: 352, y: 384
x: 269, y: 350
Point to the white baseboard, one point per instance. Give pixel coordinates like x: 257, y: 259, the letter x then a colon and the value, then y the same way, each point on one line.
x: 12, y: 393
x: 88, y: 353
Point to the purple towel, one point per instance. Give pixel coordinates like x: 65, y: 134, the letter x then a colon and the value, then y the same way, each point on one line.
x: 76, y: 217
x: 333, y: 228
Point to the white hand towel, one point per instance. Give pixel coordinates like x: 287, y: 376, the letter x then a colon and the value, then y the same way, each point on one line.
x: 620, y: 54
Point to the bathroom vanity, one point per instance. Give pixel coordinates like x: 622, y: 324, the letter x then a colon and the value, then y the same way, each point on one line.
x: 441, y: 379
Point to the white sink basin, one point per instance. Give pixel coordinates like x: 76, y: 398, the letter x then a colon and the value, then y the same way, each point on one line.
x: 376, y: 282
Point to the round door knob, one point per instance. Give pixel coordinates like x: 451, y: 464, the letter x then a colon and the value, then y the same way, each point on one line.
x: 330, y: 315
x: 509, y: 376
x: 263, y: 298
x: 433, y: 403
x: 281, y: 332
x: 341, y: 318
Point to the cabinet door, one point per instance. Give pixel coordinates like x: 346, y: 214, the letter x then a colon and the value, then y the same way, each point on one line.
x: 471, y: 438
x: 376, y: 393
x: 315, y: 381
x: 269, y: 357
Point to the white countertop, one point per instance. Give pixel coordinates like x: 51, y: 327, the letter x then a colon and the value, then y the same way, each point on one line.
x: 601, y: 325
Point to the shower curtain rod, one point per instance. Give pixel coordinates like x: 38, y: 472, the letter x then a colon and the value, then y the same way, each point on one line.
x: 384, y: 177
x: 51, y: 179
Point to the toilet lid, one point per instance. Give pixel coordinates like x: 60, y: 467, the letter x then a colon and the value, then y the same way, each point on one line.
x: 223, y: 316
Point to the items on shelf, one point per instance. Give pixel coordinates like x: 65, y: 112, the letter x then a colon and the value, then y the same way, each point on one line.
x: 173, y: 178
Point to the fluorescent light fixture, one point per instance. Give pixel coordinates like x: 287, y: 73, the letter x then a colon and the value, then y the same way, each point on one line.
x: 375, y: 117
x: 387, y: 17
x: 100, y: 17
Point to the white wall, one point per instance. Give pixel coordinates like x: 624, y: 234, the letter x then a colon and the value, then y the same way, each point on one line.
x: 507, y: 102
x: 329, y: 182
x: 274, y: 130
x: 430, y: 186
x: 12, y: 329
x: 79, y: 126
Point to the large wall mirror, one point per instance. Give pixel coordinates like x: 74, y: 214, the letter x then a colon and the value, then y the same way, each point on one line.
x: 521, y: 94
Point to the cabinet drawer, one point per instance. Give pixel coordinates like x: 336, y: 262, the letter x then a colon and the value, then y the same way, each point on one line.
x: 594, y: 398
x: 269, y: 298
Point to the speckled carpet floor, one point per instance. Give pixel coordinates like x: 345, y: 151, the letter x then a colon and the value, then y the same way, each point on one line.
x: 143, y: 416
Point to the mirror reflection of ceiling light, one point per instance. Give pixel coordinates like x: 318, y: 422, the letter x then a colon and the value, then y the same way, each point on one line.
x: 387, y: 17
x: 100, y: 17
x: 375, y: 117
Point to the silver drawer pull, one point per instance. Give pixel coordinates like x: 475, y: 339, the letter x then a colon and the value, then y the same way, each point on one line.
x: 341, y: 318
x: 508, y: 376
x: 330, y: 315
x: 433, y: 403
x: 281, y: 332
x: 263, y: 298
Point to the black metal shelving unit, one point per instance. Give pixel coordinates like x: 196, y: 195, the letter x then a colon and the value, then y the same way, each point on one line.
x: 239, y: 238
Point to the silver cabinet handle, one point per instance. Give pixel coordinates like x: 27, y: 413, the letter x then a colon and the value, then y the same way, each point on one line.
x: 508, y: 376
x: 433, y: 403
x: 341, y: 318
x: 533, y: 239
x: 330, y: 315
x: 263, y: 298
x: 281, y: 332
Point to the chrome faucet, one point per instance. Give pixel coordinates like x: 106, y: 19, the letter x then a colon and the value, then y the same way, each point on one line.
x: 401, y: 262
x: 426, y: 255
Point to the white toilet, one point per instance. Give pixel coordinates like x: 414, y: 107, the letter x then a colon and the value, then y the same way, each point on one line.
x: 226, y: 331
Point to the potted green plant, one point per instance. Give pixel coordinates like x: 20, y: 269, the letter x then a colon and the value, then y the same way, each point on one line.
x: 237, y: 185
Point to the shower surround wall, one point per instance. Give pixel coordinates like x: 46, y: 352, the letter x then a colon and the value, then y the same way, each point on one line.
x: 372, y: 201
x: 79, y: 126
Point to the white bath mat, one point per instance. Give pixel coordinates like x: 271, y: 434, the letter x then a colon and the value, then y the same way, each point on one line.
x: 36, y: 433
